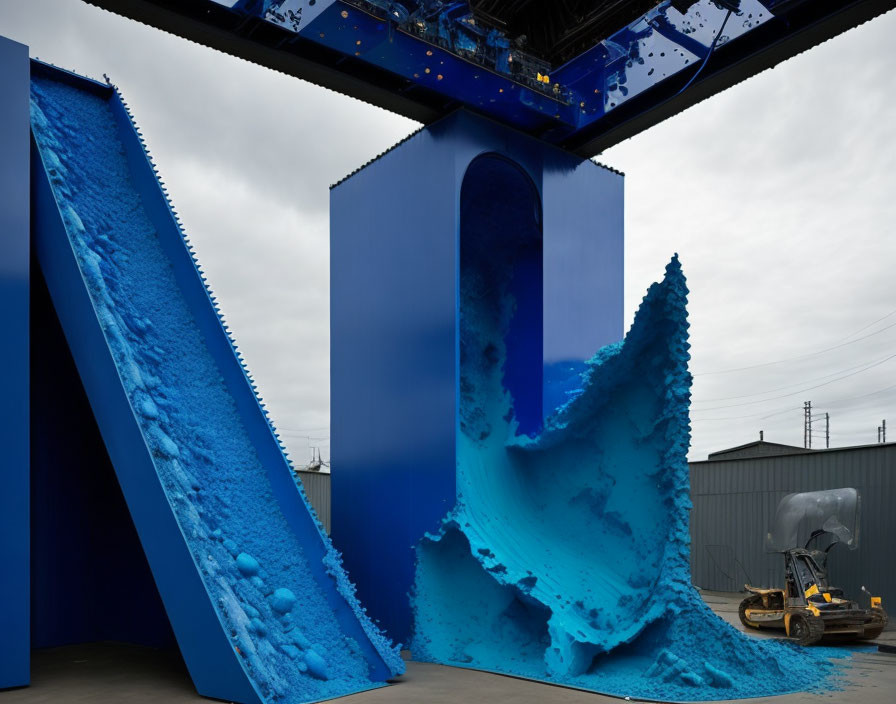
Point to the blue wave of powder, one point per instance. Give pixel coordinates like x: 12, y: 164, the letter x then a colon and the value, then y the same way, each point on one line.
x: 566, y: 556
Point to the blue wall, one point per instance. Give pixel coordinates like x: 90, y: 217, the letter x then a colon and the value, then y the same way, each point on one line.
x: 395, y: 238
x: 14, y: 283
x: 89, y: 577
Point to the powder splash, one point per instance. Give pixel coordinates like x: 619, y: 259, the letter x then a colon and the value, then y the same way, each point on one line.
x: 565, y: 558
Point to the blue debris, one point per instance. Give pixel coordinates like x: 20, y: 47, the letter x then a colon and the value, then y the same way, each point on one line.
x: 316, y: 665
x: 247, y: 565
x: 283, y: 600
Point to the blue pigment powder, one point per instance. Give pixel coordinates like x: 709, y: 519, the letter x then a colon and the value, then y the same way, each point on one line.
x: 252, y: 564
x: 566, y: 556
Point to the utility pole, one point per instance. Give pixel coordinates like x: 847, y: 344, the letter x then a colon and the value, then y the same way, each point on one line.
x: 827, y: 431
x: 883, y: 430
x: 807, y: 424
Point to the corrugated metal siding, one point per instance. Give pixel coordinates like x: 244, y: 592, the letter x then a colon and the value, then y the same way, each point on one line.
x: 317, y: 489
x: 735, y: 500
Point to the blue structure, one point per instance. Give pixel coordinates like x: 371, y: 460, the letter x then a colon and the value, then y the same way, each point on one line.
x: 580, y: 75
x: 137, y: 384
x: 476, y: 267
x: 397, y: 228
x: 14, y: 364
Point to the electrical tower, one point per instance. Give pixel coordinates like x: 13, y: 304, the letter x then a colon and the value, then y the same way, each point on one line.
x: 807, y: 424
x: 808, y: 419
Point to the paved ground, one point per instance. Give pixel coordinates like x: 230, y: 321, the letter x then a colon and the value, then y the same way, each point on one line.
x: 107, y: 673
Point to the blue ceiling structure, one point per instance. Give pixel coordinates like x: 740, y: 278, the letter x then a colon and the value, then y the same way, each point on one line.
x: 580, y: 74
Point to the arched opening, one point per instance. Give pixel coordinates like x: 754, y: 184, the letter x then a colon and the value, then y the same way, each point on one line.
x: 501, y: 285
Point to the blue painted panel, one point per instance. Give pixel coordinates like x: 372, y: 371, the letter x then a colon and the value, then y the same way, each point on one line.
x: 14, y: 365
x: 394, y: 271
x: 392, y: 362
x: 583, y: 270
x: 78, y: 514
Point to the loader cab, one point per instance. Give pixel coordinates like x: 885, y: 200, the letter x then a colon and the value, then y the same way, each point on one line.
x: 804, y: 576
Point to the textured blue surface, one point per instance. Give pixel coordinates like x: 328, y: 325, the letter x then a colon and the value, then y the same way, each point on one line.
x: 394, y: 347
x: 580, y: 92
x: 14, y: 366
x: 227, y: 533
x: 434, y: 44
x: 566, y: 556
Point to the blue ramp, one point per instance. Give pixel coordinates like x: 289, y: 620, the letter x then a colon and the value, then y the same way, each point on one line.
x: 256, y: 596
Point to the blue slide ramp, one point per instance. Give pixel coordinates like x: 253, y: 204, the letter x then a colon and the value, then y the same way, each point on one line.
x: 256, y: 595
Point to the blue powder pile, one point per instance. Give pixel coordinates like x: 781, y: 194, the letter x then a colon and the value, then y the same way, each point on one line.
x: 252, y: 564
x: 566, y: 556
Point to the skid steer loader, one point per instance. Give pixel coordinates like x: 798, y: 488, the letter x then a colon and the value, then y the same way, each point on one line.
x: 808, y: 608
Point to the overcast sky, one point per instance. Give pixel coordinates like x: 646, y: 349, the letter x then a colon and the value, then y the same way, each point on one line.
x: 779, y: 195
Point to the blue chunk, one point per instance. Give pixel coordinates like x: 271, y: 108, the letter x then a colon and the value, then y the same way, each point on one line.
x: 283, y: 600
x: 246, y: 564
x: 316, y: 665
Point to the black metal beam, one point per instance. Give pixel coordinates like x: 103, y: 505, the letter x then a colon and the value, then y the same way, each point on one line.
x: 797, y: 28
x: 777, y: 40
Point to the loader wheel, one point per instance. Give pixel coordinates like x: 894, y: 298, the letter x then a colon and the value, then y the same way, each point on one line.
x: 749, y: 602
x: 806, y: 629
x: 879, y: 620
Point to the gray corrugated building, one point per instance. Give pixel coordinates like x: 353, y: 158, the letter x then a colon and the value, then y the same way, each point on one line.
x: 317, y: 489
x: 735, y: 493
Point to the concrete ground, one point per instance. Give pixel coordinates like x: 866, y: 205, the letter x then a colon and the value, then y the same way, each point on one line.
x: 110, y: 672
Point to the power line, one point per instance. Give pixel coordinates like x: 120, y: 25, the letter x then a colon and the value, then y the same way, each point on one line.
x: 788, y: 386
x: 802, y: 356
x: 853, y: 398
x: 892, y: 312
x: 799, y: 391
x: 752, y: 415
x: 797, y: 408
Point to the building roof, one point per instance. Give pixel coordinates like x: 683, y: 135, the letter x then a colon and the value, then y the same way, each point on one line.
x: 758, y: 448
x: 761, y: 449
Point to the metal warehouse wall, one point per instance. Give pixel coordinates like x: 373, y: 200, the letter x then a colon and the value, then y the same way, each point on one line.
x: 735, y: 501
x: 317, y: 489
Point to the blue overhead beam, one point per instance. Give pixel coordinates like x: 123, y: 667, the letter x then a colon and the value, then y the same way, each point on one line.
x: 426, y: 58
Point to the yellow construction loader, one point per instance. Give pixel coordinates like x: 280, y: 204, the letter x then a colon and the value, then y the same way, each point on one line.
x: 808, y: 608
